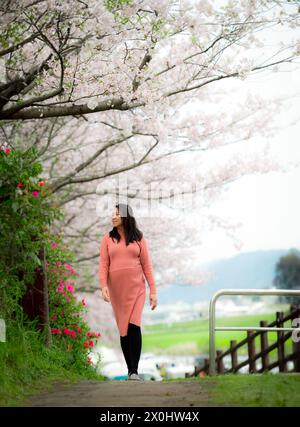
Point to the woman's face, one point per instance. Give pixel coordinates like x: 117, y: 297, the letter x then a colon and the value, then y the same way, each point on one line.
x: 116, y: 218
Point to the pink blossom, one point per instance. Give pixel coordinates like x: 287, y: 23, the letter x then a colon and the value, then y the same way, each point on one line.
x: 60, y: 288
x: 54, y: 245
x: 70, y: 288
x: 35, y: 193
x: 70, y: 268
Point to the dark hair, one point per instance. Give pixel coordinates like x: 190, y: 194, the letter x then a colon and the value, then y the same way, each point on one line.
x: 132, y: 233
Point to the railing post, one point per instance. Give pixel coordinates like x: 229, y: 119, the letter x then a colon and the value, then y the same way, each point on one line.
x: 251, y: 352
x: 280, y: 342
x: 220, y: 363
x: 206, y: 366
x: 264, y: 345
x: 212, y: 333
x: 233, y: 354
x: 296, y: 344
x: 296, y: 351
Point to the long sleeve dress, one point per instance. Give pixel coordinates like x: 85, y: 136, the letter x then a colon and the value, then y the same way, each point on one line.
x: 122, y: 269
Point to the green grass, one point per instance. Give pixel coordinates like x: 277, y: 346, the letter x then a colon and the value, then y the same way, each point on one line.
x: 256, y: 389
x: 193, y: 336
x: 264, y: 390
x: 27, y: 367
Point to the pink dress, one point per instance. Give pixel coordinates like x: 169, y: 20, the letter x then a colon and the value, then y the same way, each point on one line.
x: 122, y: 269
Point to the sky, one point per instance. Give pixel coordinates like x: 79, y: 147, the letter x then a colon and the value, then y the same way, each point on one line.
x: 267, y: 205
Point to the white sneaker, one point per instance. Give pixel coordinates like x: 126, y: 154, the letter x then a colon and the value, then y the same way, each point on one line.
x: 135, y: 376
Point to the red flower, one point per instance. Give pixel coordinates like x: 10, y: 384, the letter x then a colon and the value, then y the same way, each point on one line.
x: 20, y: 184
x: 7, y: 150
x: 55, y: 331
x: 70, y: 332
x: 91, y: 343
x: 86, y: 344
x: 54, y: 317
x: 41, y: 183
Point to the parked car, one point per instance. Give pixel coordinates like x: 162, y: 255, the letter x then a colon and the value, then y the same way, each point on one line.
x: 200, y: 360
x: 150, y: 376
x: 179, y: 370
x: 117, y: 378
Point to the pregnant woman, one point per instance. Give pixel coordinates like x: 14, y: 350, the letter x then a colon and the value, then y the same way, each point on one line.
x: 124, y: 260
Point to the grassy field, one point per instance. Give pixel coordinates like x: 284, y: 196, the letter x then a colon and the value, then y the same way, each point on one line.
x: 265, y: 389
x: 193, y: 337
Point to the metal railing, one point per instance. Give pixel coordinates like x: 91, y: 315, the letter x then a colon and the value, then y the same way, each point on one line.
x: 212, y: 318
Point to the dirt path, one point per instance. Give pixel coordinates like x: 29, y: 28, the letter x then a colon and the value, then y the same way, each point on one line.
x: 126, y: 393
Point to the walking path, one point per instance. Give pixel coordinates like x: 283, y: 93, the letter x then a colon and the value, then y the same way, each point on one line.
x: 126, y: 393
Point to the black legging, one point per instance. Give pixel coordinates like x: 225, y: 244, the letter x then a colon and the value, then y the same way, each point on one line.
x: 131, y: 345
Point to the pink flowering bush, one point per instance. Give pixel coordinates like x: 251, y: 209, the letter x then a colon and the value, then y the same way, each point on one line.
x: 68, y: 327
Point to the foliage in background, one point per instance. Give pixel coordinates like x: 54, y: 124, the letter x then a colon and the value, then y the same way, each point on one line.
x: 287, y: 275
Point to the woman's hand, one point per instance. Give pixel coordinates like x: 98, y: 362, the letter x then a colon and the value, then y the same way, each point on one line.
x: 105, y: 294
x: 153, y: 301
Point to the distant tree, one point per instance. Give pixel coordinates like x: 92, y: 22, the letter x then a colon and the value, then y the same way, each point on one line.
x: 287, y: 275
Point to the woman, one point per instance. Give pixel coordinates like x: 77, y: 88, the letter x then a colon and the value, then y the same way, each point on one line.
x: 124, y: 260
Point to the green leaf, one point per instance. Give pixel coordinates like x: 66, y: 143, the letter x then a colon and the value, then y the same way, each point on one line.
x: 35, y: 258
x: 15, y: 206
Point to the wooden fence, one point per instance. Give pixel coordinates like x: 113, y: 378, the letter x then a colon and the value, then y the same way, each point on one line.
x: 282, y: 358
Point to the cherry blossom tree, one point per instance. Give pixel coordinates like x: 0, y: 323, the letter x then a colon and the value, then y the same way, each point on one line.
x: 109, y: 89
